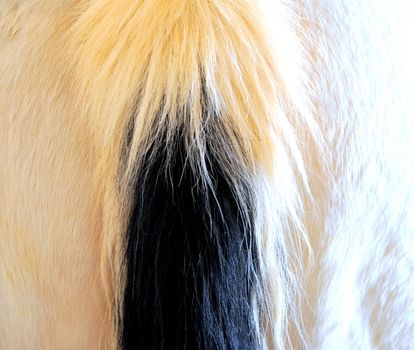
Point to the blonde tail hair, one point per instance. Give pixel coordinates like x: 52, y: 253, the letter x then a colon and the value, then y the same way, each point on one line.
x: 192, y: 107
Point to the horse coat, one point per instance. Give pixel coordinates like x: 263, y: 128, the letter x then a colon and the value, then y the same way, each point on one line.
x: 206, y: 174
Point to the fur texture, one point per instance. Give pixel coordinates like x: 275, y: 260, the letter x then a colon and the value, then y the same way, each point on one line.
x: 166, y: 166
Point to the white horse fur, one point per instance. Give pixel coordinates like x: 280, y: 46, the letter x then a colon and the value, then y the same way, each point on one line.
x: 305, y: 108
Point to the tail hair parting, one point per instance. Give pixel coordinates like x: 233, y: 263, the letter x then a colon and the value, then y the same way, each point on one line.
x: 191, y: 105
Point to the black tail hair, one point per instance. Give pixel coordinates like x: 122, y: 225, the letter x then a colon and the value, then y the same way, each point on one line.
x: 190, y: 257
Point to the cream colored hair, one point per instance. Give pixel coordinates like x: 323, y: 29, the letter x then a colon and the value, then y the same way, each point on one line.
x: 77, y: 77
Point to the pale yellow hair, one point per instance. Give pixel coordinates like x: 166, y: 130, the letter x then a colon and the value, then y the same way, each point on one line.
x: 158, y: 58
